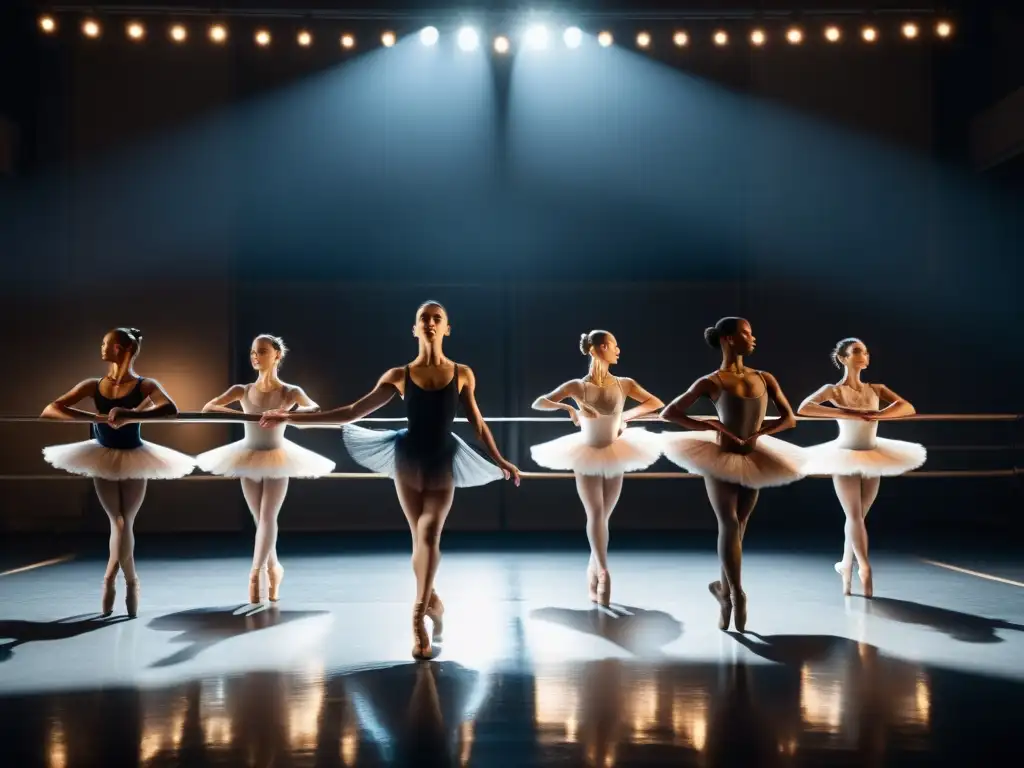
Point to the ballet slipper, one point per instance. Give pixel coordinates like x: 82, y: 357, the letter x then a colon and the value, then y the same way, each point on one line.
x: 108, y: 595
x: 847, y: 574
x: 254, y: 586
x: 275, y: 576
x: 435, y: 612
x: 724, y: 602
x: 867, y: 583
x: 604, y: 588
x: 131, y: 598
x: 420, y: 639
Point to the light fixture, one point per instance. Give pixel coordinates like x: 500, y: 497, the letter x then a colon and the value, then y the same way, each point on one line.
x: 832, y: 34
x: 681, y: 39
x: 91, y: 28
x: 387, y: 39
x: 573, y: 36
x: 721, y: 38
x: 347, y: 41
x: 537, y: 36
x: 218, y: 33
x: 501, y: 44
x: 468, y: 38
x: 262, y: 38
x: 943, y: 29
x: 604, y: 39
x: 304, y: 38
x: 910, y: 30
x: 643, y: 39
x: 870, y: 34
x: 48, y: 24
x: 178, y: 33
x: 795, y: 35
x: 757, y: 37
x: 135, y: 30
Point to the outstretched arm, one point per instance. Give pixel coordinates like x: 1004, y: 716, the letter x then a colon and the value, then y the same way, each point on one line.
x: 379, y: 396
x: 468, y: 397
x: 63, y: 407
x: 220, y: 403
x: 897, y: 407
x: 648, y: 403
x: 786, y: 420
x: 675, y: 411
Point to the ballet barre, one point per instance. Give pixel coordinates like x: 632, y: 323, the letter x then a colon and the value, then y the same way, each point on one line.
x: 198, y: 417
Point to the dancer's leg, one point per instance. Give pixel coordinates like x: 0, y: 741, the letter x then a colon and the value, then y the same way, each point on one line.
x: 109, y: 494
x: 848, y: 491
x: 724, y: 498
x: 274, y: 492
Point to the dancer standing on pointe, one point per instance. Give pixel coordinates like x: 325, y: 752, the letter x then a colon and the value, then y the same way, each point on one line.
x: 735, y: 453
x: 426, y: 461
x: 858, y: 458
x: 603, y: 449
x: 264, y: 459
x: 118, y: 460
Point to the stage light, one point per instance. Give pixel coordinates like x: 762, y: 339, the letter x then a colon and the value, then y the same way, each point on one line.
x: 605, y: 39
x: 573, y: 37
x: 910, y: 30
x: 387, y: 39
x: 429, y: 35
x: 48, y: 24
x: 347, y: 41
x: 795, y: 35
x: 943, y: 29
x: 304, y: 38
x: 832, y: 34
x: 91, y: 28
x: 178, y: 33
x: 721, y: 38
x: 501, y: 44
x: 218, y: 33
x: 262, y: 38
x: 870, y: 34
x: 643, y: 39
x: 681, y: 39
x: 537, y: 36
x: 135, y: 30
x: 469, y: 39
x: 757, y: 37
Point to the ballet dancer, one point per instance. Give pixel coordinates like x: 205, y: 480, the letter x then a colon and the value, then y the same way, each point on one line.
x: 264, y: 459
x: 603, y: 450
x: 735, y: 453
x: 117, y: 459
x: 858, y: 458
x: 426, y: 461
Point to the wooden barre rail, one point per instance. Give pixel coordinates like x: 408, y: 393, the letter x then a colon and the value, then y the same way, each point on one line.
x: 198, y: 417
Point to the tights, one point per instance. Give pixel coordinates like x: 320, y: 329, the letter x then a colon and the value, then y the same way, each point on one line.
x: 425, y: 510
x: 121, y: 500
x: 599, y: 496
x: 733, y: 505
x: 856, y: 494
x: 265, y: 498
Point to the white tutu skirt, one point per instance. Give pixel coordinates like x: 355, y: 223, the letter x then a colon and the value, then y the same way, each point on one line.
x: 635, y: 449
x: 390, y: 451
x: 147, y: 462
x: 239, y: 459
x: 886, y: 459
x: 772, y: 463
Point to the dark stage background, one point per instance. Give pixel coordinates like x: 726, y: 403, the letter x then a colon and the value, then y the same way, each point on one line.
x: 208, y: 195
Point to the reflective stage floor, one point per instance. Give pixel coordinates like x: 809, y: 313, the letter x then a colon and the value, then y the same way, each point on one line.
x: 930, y: 672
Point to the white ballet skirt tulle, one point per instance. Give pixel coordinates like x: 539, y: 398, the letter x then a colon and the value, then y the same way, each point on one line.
x: 286, y: 459
x: 147, y: 462
x: 376, y: 450
x: 596, y: 450
x: 859, y: 451
x: 770, y: 464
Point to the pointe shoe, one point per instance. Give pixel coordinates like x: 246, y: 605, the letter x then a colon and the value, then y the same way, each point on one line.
x: 604, y: 588
x: 275, y: 576
x: 107, y: 598
x: 592, y: 583
x: 867, y: 583
x: 131, y: 598
x: 724, y: 603
x: 435, y: 612
x: 420, y: 640
x: 739, y: 613
x: 254, y: 586
x: 847, y: 574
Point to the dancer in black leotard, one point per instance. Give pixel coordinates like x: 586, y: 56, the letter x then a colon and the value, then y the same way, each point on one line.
x: 426, y: 460
x: 118, y: 460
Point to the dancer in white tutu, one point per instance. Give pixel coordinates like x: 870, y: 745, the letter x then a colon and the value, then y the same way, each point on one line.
x: 118, y: 460
x: 426, y: 460
x: 603, y: 449
x: 264, y: 459
x: 858, y: 458
x: 735, y: 453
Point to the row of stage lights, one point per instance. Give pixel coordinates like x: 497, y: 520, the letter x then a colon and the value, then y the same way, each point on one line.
x: 536, y: 37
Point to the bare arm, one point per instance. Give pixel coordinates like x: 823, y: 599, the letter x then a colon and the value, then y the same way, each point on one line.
x: 813, y: 405
x: 300, y: 402
x: 468, y: 397
x: 63, y: 407
x: 553, y: 401
x: 897, y: 407
x: 675, y: 412
x: 787, y: 419
x: 157, y: 404
x: 387, y: 387
x: 648, y: 403
x: 220, y: 403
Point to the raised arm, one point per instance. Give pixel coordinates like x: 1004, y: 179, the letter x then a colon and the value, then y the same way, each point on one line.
x: 647, y: 403
x: 387, y: 387
x: 897, y: 407
x: 63, y: 407
x: 220, y: 403
x: 786, y: 420
x: 299, y: 402
x: 814, y: 405
x: 468, y: 397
